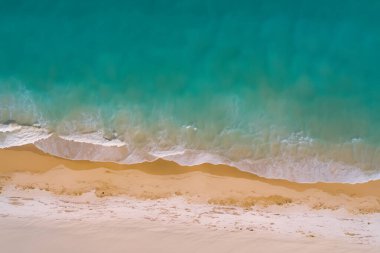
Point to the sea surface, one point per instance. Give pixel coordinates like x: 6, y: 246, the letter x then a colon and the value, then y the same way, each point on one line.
x: 283, y: 89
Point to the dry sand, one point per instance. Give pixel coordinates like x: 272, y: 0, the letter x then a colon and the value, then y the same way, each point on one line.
x: 47, y: 201
x: 37, y: 221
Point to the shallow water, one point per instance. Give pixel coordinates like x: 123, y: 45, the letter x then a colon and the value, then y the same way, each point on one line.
x: 286, y: 89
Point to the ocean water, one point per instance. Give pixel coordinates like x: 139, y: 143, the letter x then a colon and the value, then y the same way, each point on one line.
x: 282, y: 89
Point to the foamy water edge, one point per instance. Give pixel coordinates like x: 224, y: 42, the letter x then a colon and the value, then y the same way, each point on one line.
x: 94, y: 147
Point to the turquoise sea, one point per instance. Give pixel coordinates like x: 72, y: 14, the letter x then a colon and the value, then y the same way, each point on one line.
x: 283, y: 89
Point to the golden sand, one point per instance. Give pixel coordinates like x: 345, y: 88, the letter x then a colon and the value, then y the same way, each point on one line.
x: 28, y: 168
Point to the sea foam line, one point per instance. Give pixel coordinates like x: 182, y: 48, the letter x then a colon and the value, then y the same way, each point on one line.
x: 94, y: 147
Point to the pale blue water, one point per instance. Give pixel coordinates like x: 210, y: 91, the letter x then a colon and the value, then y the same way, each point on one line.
x: 254, y: 81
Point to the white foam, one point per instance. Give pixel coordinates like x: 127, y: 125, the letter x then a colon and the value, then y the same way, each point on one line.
x: 307, y: 170
x: 9, y: 128
x: 289, y: 163
x: 82, y: 148
x: 196, y: 157
x: 93, y: 138
x: 167, y: 153
x: 14, y: 135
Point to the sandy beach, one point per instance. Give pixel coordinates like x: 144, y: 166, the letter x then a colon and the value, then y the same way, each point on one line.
x: 189, y: 126
x: 48, y: 223
x: 54, y: 204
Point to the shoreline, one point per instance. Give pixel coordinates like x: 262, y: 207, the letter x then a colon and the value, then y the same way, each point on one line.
x: 27, y: 167
x: 204, y: 208
x: 341, y: 167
